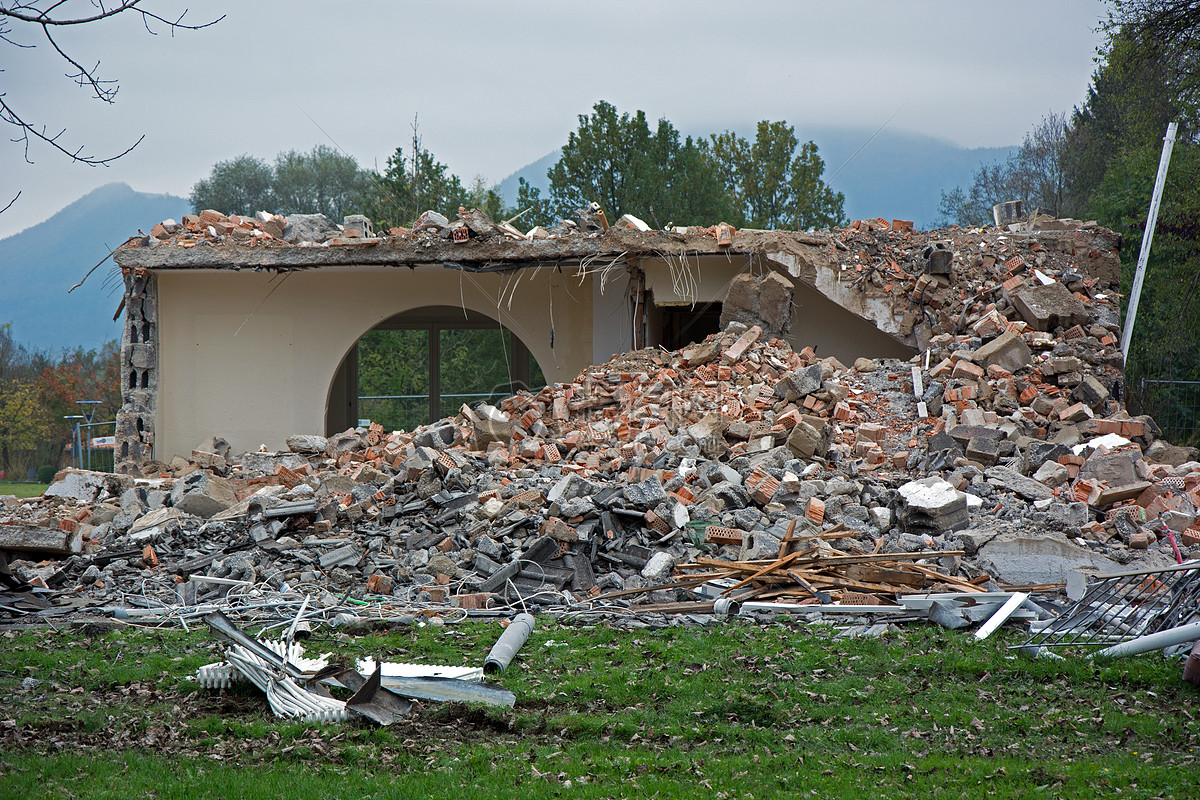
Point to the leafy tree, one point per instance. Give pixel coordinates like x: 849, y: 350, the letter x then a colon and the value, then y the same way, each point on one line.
x: 1168, y: 323
x: 242, y: 185
x: 24, y: 424
x: 321, y: 181
x: 1036, y: 175
x: 697, y: 194
x: 1167, y: 33
x: 15, y: 359
x: 1128, y: 105
x: 771, y: 185
x: 412, y: 185
x: 619, y: 163
x: 537, y: 210
x: 486, y: 198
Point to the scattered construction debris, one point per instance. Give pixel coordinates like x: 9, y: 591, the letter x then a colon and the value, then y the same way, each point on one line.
x: 735, y: 475
x: 1127, y: 612
x: 295, y: 685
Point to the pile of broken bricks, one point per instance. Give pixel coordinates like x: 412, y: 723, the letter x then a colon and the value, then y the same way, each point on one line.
x: 604, y: 489
x: 1000, y: 456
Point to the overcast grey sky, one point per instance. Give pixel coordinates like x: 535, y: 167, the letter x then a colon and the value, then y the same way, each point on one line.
x: 500, y: 84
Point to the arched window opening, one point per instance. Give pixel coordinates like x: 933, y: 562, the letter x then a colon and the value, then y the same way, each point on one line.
x: 423, y: 365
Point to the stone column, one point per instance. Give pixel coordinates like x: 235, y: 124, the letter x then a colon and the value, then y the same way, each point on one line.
x: 139, y: 373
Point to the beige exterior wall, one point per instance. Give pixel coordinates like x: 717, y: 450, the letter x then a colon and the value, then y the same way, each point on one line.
x: 257, y: 370
x: 251, y: 356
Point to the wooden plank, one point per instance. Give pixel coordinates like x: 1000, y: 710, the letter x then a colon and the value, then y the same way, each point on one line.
x: 870, y: 573
x: 841, y: 560
x: 966, y: 586
x: 787, y: 540
x: 779, y: 562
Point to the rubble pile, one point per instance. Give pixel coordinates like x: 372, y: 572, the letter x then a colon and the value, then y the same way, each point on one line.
x: 999, y: 456
x: 211, y: 227
x: 602, y: 487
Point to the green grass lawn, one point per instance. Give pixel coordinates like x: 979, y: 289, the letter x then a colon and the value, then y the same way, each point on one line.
x: 740, y: 710
x: 22, y: 489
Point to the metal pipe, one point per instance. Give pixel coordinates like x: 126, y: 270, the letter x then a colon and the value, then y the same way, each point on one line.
x: 506, y: 647
x: 1144, y: 254
x: 1154, y: 641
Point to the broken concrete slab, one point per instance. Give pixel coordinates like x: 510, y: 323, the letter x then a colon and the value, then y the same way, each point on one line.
x: 1007, y: 351
x: 202, y: 494
x: 1047, y: 558
x: 1115, y: 468
x: 83, y: 487
x: 765, y: 301
x: 1049, y: 306
x: 41, y: 540
x: 932, y: 506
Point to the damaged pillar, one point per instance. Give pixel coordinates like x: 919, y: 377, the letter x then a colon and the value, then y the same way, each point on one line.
x: 139, y: 373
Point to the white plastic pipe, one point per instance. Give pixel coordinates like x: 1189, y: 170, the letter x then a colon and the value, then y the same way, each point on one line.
x: 506, y: 647
x: 1154, y: 641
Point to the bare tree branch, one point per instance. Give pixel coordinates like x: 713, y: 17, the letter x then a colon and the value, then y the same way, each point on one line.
x: 29, y: 12
x: 27, y: 130
x: 55, y: 14
x: 10, y: 202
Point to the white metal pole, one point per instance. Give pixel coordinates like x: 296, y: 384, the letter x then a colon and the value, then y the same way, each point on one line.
x: 1147, y: 238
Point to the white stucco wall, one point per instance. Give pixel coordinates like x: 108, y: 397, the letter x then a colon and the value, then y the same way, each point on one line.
x: 256, y: 370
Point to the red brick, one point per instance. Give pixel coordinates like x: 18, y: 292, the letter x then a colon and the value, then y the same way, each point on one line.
x: 716, y: 534
x: 967, y: 370
x: 1132, y: 428
x: 379, y: 583
x: 472, y: 601
x: 815, y: 510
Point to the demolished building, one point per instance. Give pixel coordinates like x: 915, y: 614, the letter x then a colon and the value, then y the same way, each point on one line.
x: 958, y: 425
x: 236, y: 332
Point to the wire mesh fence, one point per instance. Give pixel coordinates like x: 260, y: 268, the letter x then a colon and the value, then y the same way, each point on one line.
x: 1125, y: 605
x: 1174, y: 405
x: 94, y: 446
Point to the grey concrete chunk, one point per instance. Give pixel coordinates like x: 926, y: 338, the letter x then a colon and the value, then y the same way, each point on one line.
x: 1050, y: 306
x: 1017, y: 483
x: 932, y: 506
x: 1007, y: 351
x: 307, y: 444
x: 347, y: 555
x: 202, y: 494
x: 82, y: 486
x: 1045, y: 558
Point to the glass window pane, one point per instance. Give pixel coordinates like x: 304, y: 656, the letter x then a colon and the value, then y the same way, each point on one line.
x: 475, y: 366
x: 393, y: 378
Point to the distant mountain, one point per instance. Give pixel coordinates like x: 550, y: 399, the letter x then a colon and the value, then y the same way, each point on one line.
x: 898, y: 174
x: 39, y: 264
